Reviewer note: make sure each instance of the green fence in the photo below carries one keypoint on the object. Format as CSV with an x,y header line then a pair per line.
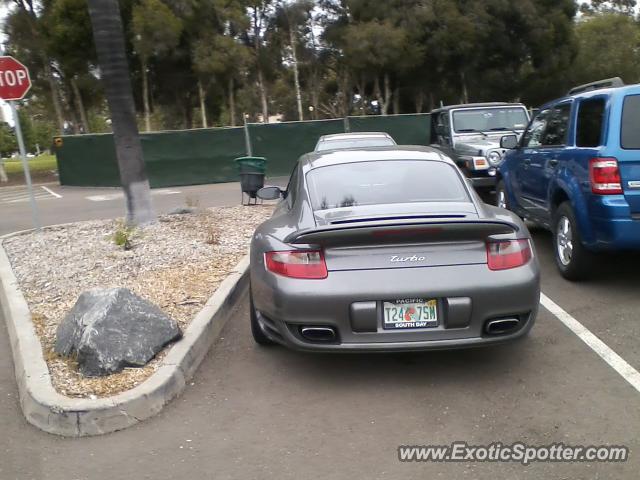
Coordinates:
x,y
190,157
405,129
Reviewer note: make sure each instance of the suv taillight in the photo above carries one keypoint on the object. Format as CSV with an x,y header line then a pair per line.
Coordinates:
x,y
307,264
604,176
505,254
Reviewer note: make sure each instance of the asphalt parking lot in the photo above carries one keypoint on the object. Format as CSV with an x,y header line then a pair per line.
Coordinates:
x,y
62,204
267,412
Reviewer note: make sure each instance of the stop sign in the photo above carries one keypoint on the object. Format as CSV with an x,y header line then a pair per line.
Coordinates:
x,y
14,79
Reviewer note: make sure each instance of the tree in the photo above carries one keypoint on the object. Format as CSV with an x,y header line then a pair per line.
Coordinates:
x,y
110,47
259,13
26,40
8,143
594,7
293,18
69,41
613,36
225,59
156,30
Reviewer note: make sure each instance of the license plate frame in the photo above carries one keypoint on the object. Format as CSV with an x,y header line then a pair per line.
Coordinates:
x,y
410,314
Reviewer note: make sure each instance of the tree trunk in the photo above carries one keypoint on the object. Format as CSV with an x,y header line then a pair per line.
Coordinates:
x,y
109,41
77,98
3,173
203,110
263,97
257,25
387,94
419,101
296,76
145,94
55,95
74,120
465,93
384,100
396,101
347,95
232,102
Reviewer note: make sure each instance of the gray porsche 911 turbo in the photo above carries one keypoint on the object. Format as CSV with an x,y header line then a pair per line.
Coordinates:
x,y
388,249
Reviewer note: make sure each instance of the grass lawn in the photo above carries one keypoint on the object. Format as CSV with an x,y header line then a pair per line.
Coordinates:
x,y
42,163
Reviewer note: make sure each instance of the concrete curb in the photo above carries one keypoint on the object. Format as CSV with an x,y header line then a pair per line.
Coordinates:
x,y
52,412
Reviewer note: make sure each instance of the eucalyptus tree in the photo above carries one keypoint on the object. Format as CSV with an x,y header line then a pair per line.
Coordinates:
x,y
156,31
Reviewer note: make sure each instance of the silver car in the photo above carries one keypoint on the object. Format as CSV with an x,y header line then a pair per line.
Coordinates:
x,y
352,140
388,249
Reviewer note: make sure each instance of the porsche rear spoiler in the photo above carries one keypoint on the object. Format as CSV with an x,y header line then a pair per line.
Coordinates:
x,y
401,232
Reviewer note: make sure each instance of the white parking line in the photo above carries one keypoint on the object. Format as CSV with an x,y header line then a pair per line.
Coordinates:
x,y
57,195
614,360
119,195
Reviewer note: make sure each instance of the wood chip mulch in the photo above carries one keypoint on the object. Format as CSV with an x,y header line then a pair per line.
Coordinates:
x,y
176,263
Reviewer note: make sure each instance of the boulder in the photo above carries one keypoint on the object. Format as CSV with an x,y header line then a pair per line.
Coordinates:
x,y
111,329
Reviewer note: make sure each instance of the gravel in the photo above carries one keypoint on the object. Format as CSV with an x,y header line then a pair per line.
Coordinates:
x,y
176,263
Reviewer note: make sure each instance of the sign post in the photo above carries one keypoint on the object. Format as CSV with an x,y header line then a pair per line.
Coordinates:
x,y
14,85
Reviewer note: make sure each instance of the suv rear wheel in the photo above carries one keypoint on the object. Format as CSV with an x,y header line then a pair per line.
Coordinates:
x,y
572,258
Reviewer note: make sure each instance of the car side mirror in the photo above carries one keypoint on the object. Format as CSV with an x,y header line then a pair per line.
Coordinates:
x,y
509,141
441,130
270,193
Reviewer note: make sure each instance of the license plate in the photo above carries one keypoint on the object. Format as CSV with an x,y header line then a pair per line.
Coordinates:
x,y
410,313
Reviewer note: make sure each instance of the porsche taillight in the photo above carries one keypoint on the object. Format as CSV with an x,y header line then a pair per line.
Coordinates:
x,y
308,264
505,254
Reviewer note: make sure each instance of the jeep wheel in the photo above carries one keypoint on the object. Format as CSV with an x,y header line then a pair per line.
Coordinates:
x,y
572,258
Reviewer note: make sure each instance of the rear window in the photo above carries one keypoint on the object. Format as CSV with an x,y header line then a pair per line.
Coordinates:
x,y
384,182
589,123
630,130
354,143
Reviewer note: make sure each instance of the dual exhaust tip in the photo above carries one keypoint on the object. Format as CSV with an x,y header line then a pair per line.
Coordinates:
x,y
501,326
323,334
319,334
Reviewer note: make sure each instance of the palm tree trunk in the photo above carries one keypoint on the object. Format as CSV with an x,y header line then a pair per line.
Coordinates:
x,y
109,40
296,75
145,95
77,98
203,110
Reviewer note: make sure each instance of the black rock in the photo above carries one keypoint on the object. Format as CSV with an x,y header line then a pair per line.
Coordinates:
x,y
111,329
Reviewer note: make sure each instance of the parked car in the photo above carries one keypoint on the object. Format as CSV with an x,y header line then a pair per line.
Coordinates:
x,y
387,249
470,134
576,171
354,140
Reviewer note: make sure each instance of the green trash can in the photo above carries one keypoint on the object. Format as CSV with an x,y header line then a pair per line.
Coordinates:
x,y
252,171
251,164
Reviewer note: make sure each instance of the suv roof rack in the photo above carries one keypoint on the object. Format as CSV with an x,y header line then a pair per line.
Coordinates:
x,y
606,83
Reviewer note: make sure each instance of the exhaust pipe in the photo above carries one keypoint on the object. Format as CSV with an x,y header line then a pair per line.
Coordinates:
x,y
318,334
501,326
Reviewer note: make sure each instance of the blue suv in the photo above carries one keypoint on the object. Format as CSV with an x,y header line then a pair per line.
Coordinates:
x,y
576,171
